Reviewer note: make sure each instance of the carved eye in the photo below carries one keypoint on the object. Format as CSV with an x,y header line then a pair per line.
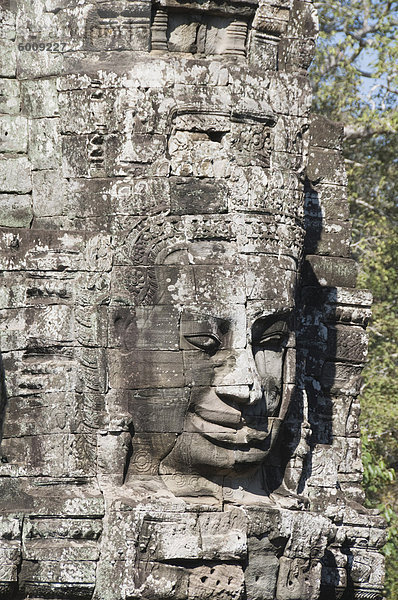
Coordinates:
x,y
271,340
270,335
208,342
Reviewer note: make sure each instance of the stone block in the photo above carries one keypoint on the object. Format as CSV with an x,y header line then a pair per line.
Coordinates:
x,y
48,197
298,578
8,572
261,573
349,297
88,110
330,271
15,210
263,52
10,553
367,570
192,486
137,196
40,250
309,535
328,238
113,450
278,281
327,201
10,98
145,327
13,134
351,457
175,538
190,196
326,133
37,327
341,378
37,455
339,414
158,410
355,315
148,450
223,536
296,54
10,527
137,148
324,467
8,20
340,461
39,98
158,581
58,528
44,144
61,550
8,62
80,200
290,94
214,282
36,416
75,158
123,27
27,374
140,369
40,589
36,287
63,572
218,581
347,343
327,166
15,175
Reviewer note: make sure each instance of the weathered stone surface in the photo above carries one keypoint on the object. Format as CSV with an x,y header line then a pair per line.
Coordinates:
x,y
13,134
15,210
181,336
15,174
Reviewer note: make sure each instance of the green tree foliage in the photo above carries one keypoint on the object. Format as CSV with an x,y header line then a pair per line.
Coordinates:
x,y
355,79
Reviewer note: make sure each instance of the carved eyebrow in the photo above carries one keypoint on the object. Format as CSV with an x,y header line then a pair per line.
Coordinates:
x,y
278,329
193,323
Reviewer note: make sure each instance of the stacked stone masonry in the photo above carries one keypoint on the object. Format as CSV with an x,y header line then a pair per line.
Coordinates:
x,y
182,338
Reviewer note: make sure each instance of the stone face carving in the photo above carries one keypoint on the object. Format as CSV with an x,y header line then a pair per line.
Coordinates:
x,y
182,339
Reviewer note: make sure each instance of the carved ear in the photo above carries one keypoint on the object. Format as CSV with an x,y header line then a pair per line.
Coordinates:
x,y
125,327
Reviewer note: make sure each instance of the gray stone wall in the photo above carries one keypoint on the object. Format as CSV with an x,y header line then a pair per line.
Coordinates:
x,y
182,339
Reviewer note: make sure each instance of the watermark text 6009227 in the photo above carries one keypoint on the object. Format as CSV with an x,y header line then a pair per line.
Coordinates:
x,y
42,46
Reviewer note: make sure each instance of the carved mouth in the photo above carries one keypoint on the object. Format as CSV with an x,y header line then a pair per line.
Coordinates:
x,y
240,438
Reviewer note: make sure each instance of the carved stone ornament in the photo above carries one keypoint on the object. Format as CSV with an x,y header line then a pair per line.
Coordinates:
x,y
182,338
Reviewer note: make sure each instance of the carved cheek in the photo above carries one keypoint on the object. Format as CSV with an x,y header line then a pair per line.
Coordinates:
x,y
269,363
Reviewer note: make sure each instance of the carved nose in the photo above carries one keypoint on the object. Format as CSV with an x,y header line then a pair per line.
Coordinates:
x,y
241,394
240,381
234,393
